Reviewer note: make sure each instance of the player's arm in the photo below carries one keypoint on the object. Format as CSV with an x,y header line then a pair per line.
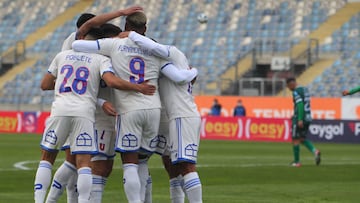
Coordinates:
x,y
177,75
299,106
87,46
147,43
118,83
103,18
67,42
48,82
352,91
103,46
300,110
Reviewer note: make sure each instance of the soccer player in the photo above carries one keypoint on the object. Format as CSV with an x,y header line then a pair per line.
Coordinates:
x,y
138,122
102,163
301,121
72,37
77,77
351,91
66,174
183,127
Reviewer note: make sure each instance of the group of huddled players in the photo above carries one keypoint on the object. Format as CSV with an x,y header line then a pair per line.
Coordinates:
x,y
118,92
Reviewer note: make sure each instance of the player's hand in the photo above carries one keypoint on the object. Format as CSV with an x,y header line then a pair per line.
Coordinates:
x,y
345,92
109,109
300,124
124,34
131,10
193,80
147,89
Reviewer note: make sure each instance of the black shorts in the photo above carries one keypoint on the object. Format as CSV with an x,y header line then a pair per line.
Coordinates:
x,y
298,133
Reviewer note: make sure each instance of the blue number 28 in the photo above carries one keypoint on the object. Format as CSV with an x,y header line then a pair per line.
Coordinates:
x,y
137,66
79,83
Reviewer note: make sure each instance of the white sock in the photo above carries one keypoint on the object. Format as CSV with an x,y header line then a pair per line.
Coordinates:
x,y
177,194
60,180
143,171
148,192
192,187
131,183
98,184
71,189
42,181
84,184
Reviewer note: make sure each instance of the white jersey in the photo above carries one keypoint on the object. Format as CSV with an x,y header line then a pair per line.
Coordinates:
x,y
177,98
101,118
68,41
136,65
77,82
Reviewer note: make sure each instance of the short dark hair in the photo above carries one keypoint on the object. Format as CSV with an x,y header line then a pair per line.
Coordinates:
x,y
289,80
96,33
110,30
83,18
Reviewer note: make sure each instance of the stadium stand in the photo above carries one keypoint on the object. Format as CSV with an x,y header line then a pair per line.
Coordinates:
x,y
343,73
215,47
17,24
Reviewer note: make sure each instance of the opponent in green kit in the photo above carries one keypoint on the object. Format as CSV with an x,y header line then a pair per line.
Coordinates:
x,y
301,121
352,91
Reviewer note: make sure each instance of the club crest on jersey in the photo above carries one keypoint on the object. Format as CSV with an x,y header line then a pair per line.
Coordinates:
x,y
51,137
161,142
191,150
129,140
83,139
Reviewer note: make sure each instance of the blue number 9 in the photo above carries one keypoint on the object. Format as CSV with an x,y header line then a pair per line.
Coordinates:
x,y
137,66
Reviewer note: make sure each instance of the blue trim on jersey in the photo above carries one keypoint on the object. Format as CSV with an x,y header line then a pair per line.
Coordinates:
x,y
85,152
65,147
122,151
164,66
48,149
98,44
178,130
117,130
180,160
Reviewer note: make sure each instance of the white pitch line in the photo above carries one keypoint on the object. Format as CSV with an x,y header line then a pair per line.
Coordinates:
x,y
22,165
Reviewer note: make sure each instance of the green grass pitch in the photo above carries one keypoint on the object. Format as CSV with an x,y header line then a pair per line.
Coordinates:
x,y
230,172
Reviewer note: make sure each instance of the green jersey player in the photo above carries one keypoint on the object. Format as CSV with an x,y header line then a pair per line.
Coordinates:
x,y
352,91
301,121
